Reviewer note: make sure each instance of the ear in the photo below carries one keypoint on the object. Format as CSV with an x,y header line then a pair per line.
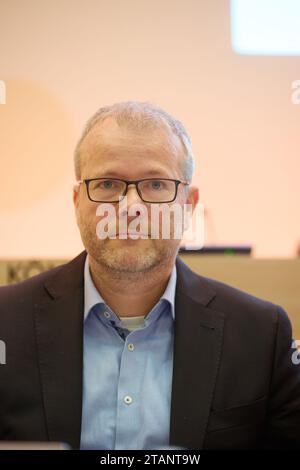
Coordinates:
x,y
76,195
193,196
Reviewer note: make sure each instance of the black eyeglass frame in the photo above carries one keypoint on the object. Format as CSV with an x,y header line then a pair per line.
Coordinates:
x,y
136,183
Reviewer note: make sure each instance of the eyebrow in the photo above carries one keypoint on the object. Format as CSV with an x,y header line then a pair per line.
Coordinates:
x,y
116,174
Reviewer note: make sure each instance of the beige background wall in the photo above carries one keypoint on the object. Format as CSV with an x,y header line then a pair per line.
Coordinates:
x,y
63,59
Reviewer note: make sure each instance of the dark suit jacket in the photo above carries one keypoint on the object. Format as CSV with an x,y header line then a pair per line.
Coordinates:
x,y
234,383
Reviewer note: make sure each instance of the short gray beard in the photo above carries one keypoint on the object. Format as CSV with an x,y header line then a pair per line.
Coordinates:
x,y
126,261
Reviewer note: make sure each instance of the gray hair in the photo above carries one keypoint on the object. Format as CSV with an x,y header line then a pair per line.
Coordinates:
x,y
139,115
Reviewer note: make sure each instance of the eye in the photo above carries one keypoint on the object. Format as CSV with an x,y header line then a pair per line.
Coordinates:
x,y
107,184
156,184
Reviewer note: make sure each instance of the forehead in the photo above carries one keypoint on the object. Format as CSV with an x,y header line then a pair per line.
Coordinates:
x,y
109,146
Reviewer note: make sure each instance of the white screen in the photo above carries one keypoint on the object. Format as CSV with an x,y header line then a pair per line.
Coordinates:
x,y
265,27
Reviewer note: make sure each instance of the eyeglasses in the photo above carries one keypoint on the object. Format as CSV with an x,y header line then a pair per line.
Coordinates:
x,y
152,190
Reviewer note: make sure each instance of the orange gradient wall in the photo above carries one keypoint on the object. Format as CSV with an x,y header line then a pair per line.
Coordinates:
x,y
61,60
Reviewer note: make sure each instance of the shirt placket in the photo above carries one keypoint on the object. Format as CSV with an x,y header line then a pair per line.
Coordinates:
x,y
129,392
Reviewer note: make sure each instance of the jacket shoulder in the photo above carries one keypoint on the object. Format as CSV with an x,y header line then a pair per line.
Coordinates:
x,y
235,303
245,310
32,286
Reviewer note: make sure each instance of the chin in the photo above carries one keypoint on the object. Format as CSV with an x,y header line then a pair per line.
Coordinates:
x,y
130,260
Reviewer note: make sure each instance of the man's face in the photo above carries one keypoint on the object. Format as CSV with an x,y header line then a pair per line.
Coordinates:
x,y
118,152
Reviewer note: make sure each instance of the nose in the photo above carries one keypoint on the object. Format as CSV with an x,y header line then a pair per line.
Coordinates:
x,y
132,198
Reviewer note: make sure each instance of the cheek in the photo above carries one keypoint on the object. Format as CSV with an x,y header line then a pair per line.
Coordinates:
x,y
86,213
181,197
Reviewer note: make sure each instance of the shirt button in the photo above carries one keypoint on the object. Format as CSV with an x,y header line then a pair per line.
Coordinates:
x,y
130,347
127,400
107,314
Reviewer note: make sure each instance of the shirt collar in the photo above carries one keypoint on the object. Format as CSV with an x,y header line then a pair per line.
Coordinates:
x,y
93,297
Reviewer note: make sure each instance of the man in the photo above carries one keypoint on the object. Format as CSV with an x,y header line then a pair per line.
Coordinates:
x,y
125,347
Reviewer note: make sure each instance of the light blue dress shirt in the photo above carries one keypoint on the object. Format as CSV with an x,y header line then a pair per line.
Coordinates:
x,y
127,375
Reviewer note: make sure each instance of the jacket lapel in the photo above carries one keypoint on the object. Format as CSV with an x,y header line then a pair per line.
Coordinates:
x,y
197,352
59,332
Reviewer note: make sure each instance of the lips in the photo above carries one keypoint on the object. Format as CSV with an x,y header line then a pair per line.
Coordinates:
x,y
135,234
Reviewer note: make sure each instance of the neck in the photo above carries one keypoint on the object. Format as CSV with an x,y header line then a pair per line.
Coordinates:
x,y
134,294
